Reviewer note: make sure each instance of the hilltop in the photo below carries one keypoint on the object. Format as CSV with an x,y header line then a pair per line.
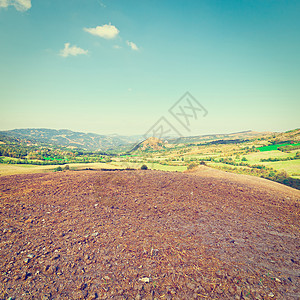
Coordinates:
x,y
152,143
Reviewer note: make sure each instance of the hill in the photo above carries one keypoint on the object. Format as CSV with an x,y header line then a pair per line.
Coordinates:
x,y
66,138
152,143
236,136
291,136
148,234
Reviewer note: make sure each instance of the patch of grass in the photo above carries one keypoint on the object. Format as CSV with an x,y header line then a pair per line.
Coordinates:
x,y
275,147
6,170
290,166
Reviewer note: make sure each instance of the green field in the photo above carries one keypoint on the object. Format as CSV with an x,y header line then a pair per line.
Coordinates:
x,y
275,147
292,167
255,157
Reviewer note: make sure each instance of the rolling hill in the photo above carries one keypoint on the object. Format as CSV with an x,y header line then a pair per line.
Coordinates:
x,y
66,138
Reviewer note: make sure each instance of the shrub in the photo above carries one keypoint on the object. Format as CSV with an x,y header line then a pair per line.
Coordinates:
x,y
67,167
203,163
58,169
144,167
192,166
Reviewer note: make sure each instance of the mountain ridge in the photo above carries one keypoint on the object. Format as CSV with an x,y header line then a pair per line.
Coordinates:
x,y
97,142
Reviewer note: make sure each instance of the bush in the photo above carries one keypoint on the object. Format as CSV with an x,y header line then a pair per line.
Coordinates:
x,y
203,163
58,169
67,167
144,167
192,166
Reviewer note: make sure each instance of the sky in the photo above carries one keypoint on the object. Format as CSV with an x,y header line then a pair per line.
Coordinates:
x,y
118,66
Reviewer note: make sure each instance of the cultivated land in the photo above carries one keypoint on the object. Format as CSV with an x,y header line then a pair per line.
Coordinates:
x,y
126,234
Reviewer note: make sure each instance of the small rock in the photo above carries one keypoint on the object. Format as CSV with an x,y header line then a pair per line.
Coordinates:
x,y
93,296
30,255
271,295
145,279
25,275
81,286
46,267
106,277
238,291
26,260
219,274
191,286
95,234
154,252
277,279
52,269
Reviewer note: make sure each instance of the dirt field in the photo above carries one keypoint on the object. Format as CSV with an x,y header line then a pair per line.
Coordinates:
x,y
148,235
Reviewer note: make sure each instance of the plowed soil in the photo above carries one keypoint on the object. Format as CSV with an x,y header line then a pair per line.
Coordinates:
x,y
148,235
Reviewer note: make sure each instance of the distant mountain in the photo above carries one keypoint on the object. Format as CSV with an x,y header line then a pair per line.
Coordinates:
x,y
66,138
243,135
118,144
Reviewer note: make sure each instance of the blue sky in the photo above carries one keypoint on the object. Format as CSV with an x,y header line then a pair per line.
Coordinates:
x,y
116,66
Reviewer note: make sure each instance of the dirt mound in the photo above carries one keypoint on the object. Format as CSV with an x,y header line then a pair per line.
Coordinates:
x,y
254,182
146,235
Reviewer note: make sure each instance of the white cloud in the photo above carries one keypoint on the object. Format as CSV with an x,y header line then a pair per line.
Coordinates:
x,y
21,5
132,45
73,50
102,4
106,31
117,47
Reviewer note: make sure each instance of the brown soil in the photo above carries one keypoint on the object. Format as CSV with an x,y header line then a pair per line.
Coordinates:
x,y
105,234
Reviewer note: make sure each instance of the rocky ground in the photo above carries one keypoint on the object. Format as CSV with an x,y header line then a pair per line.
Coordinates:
x,y
148,235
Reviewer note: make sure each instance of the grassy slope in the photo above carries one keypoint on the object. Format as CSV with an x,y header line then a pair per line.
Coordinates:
x,y
29,169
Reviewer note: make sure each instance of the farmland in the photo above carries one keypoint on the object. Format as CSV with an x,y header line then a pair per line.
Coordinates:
x,y
144,234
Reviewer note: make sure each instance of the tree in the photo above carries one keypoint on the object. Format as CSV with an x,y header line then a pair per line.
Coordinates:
x,y
144,167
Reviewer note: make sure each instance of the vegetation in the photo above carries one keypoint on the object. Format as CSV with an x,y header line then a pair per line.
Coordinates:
x,y
246,153
192,166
